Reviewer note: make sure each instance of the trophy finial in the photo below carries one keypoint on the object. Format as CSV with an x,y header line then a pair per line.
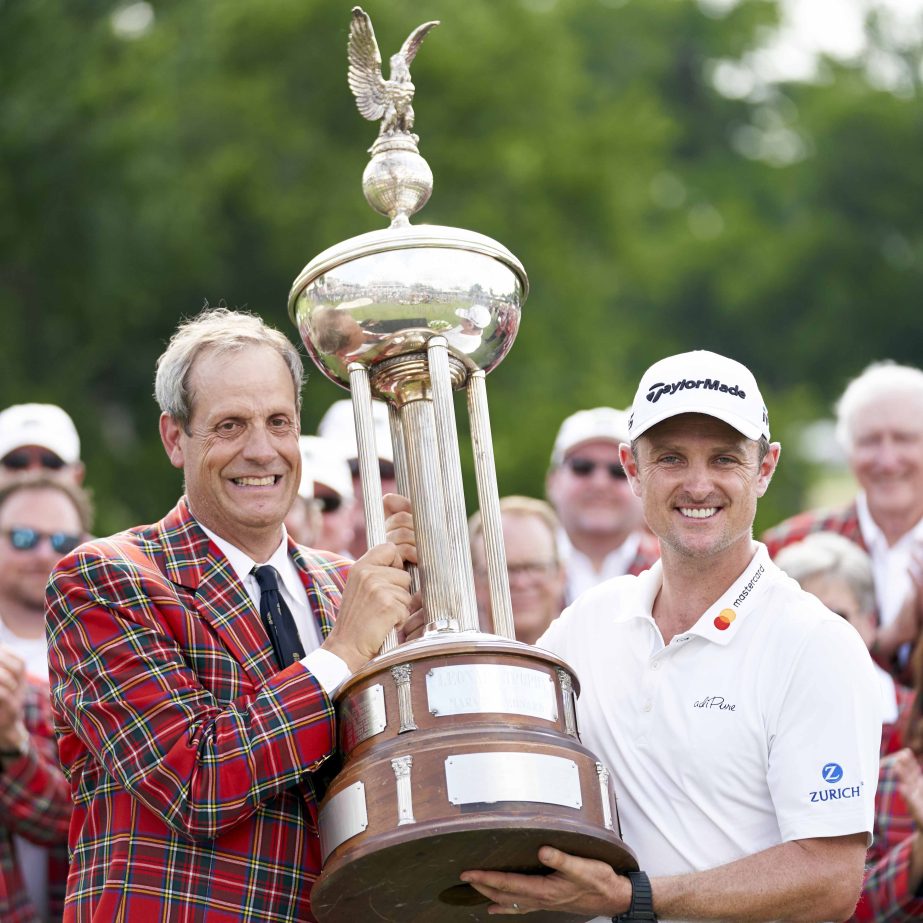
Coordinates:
x,y
397,181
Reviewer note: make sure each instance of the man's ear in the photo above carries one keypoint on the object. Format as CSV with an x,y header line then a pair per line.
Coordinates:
x,y
627,458
768,468
171,435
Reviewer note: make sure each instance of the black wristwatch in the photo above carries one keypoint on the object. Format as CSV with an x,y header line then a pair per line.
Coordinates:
x,y
642,900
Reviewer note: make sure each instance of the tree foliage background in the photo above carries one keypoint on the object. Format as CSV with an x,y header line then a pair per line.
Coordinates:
x,y
208,156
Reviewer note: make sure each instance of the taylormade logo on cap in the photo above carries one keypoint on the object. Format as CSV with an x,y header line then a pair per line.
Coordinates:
x,y
658,390
699,382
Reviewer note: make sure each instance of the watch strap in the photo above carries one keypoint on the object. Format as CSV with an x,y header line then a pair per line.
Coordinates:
x,y
642,900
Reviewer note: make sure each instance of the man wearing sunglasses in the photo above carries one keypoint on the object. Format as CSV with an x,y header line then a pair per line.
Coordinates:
x,y
41,519
740,719
39,439
603,533
194,661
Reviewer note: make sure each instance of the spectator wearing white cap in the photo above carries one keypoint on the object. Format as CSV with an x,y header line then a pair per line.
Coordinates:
x,y
338,425
739,718
327,486
603,533
39,438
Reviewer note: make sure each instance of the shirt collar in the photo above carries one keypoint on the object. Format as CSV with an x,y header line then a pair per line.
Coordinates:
x,y
872,535
720,623
243,564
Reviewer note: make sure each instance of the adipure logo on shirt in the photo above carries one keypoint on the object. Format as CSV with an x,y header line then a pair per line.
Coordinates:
x,y
832,773
658,390
714,702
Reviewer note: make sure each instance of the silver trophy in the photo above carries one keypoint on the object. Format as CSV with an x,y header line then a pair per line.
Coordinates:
x,y
460,749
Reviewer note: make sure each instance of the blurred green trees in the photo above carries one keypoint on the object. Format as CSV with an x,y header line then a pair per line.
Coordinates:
x,y
210,155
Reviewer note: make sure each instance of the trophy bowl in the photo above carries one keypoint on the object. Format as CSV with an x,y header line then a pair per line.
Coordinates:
x,y
385,293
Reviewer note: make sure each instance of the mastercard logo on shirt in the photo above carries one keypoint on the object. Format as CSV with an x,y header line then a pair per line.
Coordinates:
x,y
724,618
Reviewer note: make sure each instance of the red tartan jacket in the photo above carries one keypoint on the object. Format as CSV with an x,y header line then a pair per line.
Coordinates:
x,y
885,896
844,522
189,755
34,804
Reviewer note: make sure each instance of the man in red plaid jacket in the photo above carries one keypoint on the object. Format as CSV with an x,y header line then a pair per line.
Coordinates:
x,y
193,753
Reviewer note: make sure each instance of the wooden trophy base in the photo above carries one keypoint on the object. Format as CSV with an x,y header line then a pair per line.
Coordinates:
x,y
457,755
417,881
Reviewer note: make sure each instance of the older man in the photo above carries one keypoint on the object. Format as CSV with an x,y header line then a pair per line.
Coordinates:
x,y
880,425
535,571
738,716
39,438
603,533
193,661
41,518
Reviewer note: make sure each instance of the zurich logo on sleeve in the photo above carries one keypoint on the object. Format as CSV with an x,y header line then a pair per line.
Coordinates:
x,y
832,773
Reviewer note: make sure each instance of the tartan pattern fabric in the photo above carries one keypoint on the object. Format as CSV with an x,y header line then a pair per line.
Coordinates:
x,y
34,804
885,897
189,754
844,522
648,554
892,735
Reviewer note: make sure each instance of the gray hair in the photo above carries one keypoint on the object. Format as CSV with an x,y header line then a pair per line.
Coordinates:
x,y
516,505
827,554
880,379
218,330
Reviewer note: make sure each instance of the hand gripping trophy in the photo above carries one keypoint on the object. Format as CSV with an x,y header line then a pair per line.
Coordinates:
x,y
460,749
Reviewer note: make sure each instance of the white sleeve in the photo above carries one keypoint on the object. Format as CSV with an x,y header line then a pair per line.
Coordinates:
x,y
824,737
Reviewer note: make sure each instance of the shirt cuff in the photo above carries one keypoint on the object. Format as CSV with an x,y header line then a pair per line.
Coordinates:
x,y
328,669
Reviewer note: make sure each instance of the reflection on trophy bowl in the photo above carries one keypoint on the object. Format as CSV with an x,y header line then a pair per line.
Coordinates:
x,y
458,754
384,294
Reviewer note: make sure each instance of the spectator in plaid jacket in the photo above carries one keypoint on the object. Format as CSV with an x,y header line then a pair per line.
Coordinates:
x,y
192,754
893,889
41,517
880,425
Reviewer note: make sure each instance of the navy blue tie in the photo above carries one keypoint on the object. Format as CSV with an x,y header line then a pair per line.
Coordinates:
x,y
277,618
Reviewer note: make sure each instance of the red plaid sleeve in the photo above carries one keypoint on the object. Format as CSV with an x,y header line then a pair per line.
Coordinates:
x,y
886,897
843,522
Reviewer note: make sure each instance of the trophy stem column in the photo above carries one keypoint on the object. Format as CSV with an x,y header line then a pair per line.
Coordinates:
x,y
461,572
439,600
402,477
489,502
368,468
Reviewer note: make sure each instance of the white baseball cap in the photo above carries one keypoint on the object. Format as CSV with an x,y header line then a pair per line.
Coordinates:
x,y
699,382
322,462
599,424
338,425
45,425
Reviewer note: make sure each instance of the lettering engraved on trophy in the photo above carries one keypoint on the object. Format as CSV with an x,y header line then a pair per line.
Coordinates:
x,y
567,695
603,774
401,674
344,816
474,688
362,716
401,766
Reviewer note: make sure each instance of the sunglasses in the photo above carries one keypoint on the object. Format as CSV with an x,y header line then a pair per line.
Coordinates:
x,y
584,467
23,539
328,503
21,459
385,469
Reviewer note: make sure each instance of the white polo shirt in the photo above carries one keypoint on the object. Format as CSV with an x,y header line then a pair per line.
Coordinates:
x,y
759,725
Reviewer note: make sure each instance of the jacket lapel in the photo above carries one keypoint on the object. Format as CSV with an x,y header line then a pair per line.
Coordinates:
x,y
190,561
323,593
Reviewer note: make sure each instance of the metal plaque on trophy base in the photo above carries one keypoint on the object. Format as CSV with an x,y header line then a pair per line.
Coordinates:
x,y
460,749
